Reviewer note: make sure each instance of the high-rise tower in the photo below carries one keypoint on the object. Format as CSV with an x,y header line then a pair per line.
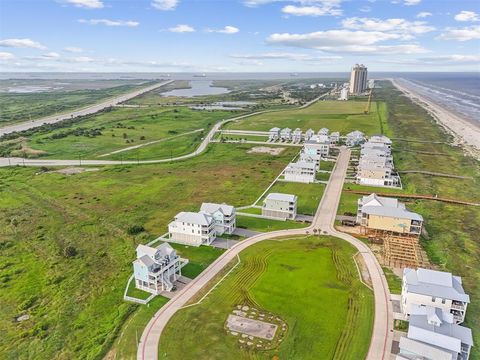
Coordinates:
x,y
358,79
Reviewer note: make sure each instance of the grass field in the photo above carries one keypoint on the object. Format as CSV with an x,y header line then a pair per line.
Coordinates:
x,y
264,225
124,127
452,243
18,107
342,116
74,312
309,195
331,317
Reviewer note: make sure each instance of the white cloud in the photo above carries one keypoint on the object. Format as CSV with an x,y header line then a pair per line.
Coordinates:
x,y
452,59
106,22
181,28
226,30
398,26
51,55
467,16
165,5
461,34
22,43
88,4
365,9
411,2
73,49
310,10
284,56
6,56
346,41
424,14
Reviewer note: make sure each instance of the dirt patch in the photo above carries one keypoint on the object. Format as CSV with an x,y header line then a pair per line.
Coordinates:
x,y
73,170
266,150
28,152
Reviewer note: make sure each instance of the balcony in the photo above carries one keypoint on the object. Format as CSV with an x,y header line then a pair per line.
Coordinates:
x,y
458,306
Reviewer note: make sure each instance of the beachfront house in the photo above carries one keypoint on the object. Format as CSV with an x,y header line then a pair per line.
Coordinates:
x,y
192,228
377,214
274,134
323,131
311,159
442,290
432,336
301,171
334,137
377,176
318,146
355,138
297,135
157,268
280,206
286,134
380,140
381,149
224,217
309,133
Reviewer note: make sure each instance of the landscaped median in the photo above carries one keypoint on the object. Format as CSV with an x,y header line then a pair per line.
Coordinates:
x,y
331,316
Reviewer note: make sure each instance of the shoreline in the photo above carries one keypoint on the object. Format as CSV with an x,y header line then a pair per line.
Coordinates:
x,y
466,134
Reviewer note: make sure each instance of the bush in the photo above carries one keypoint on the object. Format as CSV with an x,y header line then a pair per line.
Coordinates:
x,y
135,229
70,251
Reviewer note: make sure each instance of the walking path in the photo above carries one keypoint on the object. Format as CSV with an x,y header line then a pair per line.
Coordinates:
x,y
80,112
324,221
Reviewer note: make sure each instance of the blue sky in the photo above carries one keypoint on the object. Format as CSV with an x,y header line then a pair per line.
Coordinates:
x,y
239,35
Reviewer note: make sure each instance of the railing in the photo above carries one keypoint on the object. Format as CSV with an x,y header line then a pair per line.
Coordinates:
x,y
458,307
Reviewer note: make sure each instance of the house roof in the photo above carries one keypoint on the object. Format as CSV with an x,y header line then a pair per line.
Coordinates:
x,y
146,250
148,255
318,139
380,139
286,130
446,335
146,260
435,283
275,129
212,207
375,200
391,212
198,218
303,165
281,197
356,133
425,350
335,133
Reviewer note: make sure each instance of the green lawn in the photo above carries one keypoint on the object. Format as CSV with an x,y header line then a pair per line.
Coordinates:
x,y
120,128
394,282
331,317
137,293
342,116
309,195
92,211
264,225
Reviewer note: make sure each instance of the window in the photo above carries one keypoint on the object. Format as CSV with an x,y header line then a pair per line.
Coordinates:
x,y
433,299
443,301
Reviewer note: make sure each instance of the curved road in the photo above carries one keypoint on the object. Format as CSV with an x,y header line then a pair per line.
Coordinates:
x,y
324,218
81,112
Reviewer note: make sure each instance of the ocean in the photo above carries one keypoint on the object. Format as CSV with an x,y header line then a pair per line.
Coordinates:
x,y
458,92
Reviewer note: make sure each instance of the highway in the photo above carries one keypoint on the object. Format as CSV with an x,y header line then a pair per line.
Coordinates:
x,y
324,218
80,112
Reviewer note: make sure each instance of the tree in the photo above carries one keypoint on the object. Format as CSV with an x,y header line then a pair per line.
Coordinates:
x,y
125,135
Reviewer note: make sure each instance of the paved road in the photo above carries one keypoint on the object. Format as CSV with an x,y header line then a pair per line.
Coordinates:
x,y
323,220
81,112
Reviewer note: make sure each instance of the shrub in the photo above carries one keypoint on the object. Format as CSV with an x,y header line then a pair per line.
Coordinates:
x,y
135,229
70,251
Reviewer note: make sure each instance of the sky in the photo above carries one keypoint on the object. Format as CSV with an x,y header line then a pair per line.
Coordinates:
x,y
239,35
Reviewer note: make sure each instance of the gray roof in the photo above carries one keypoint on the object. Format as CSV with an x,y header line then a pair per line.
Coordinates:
x,y
423,349
356,133
303,164
380,139
335,133
194,218
146,260
446,336
212,207
281,197
391,212
374,199
435,283
275,129
318,139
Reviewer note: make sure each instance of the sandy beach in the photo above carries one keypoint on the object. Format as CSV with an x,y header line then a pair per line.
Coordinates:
x,y
465,132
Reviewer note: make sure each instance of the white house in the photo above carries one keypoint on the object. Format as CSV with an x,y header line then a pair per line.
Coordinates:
x,y
224,217
381,149
432,337
442,290
323,131
318,146
191,228
373,159
315,159
343,94
355,138
280,206
377,176
381,140
274,134
286,134
377,213
156,269
297,135
309,133
334,137
301,171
